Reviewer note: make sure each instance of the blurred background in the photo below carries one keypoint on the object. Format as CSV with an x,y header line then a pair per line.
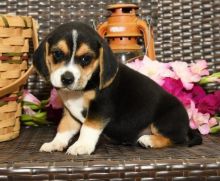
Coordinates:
x,y
184,30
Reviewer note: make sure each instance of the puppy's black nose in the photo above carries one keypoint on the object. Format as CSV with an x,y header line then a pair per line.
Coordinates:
x,y
67,78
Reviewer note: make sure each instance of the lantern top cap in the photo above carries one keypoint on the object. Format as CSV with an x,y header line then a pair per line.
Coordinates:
x,y
115,6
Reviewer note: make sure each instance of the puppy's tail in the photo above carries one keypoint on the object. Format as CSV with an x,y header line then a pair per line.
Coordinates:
x,y
194,138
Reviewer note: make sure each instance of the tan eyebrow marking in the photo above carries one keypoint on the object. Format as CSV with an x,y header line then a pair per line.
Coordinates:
x,y
61,45
84,49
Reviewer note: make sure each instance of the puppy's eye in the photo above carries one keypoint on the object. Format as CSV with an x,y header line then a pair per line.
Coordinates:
x,y
85,60
58,55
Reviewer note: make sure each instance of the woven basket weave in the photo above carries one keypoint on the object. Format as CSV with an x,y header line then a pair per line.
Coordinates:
x,y
15,35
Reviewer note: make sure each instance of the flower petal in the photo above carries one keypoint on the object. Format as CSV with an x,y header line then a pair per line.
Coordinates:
x,y
204,129
28,97
55,100
213,122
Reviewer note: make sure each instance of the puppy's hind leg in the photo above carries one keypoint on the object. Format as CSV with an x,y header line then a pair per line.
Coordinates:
x,y
155,140
67,128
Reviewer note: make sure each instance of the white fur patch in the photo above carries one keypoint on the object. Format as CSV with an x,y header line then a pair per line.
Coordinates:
x,y
145,141
74,102
59,142
86,143
74,36
55,76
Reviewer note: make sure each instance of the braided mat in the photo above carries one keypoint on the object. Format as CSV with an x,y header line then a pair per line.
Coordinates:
x,y
20,159
26,147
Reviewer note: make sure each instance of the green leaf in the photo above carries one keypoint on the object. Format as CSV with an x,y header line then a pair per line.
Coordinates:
x,y
25,117
40,115
218,118
13,54
30,124
32,105
209,78
215,129
2,103
44,103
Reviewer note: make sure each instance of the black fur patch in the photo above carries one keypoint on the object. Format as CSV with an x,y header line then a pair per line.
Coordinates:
x,y
39,60
84,112
110,65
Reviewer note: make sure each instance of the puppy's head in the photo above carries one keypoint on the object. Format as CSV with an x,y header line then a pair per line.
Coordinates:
x,y
75,57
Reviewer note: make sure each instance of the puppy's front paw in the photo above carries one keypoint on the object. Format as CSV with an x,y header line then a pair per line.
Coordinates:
x,y
52,146
81,148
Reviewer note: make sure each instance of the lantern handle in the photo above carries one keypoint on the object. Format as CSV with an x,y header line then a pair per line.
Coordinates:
x,y
148,38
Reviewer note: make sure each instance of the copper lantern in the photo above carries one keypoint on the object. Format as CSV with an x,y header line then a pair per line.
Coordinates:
x,y
123,30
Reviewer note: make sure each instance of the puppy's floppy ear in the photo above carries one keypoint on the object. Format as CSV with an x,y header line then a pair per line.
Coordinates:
x,y
108,66
39,60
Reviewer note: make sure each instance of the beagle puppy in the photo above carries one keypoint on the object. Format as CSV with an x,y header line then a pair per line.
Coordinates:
x,y
101,95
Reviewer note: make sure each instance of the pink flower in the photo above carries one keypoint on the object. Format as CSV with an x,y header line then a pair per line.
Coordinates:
x,y
208,104
198,120
217,95
213,122
136,64
172,86
175,87
55,100
183,73
199,68
191,109
184,98
197,93
204,129
157,71
28,97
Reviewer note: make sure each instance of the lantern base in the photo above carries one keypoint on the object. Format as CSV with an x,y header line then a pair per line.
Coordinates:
x,y
124,56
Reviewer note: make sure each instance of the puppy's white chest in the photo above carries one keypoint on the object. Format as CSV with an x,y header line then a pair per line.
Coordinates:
x,y
74,103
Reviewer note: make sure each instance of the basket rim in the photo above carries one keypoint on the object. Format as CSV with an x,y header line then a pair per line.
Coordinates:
x,y
11,20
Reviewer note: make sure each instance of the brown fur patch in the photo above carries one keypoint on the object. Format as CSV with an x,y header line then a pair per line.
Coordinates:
x,y
89,69
83,49
88,96
107,83
101,64
68,123
158,140
97,123
62,45
154,130
47,58
53,66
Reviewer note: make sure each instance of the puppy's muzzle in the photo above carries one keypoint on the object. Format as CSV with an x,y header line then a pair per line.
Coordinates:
x,y
67,78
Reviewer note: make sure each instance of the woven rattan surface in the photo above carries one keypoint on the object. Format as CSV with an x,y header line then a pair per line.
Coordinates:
x,y
184,29
20,159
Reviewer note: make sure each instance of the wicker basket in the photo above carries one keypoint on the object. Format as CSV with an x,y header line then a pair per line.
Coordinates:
x,y
16,33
